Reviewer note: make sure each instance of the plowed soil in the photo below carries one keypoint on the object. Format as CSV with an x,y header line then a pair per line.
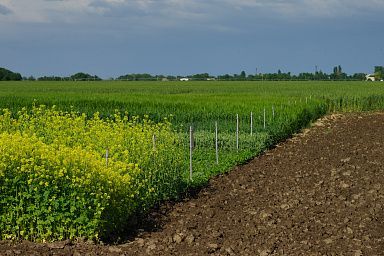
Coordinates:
x,y
319,193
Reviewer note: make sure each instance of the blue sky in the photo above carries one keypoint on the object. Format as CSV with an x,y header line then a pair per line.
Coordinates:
x,y
115,37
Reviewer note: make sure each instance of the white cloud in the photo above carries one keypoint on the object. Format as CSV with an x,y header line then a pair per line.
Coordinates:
x,y
4,10
176,12
314,8
45,11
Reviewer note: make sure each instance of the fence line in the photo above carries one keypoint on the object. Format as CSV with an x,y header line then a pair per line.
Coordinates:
x,y
207,146
209,149
200,143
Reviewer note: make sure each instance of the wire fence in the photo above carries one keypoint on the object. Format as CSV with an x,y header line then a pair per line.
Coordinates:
x,y
208,150
211,151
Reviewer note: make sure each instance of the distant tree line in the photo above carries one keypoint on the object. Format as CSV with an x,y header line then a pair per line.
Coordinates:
x,y
337,74
149,77
137,77
76,77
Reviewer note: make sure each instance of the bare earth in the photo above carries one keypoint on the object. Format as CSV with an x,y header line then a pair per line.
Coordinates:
x,y
319,193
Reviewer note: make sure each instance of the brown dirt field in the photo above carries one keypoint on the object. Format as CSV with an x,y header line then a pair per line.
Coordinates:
x,y
319,193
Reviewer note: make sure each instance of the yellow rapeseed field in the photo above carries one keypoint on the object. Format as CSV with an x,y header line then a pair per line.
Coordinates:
x,y
66,175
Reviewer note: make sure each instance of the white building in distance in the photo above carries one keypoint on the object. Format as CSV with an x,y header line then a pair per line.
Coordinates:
x,y
370,77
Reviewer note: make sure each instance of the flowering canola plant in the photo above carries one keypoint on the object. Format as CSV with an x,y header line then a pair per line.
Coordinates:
x,y
56,181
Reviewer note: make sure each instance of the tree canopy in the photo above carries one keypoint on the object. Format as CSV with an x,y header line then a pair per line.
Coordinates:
x,y
137,77
85,77
379,72
8,75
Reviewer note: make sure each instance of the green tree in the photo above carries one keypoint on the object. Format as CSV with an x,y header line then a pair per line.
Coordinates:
x,y
84,77
203,76
138,77
358,76
338,74
379,72
226,77
8,75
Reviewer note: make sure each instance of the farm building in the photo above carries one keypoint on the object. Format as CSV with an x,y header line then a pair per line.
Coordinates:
x,y
370,77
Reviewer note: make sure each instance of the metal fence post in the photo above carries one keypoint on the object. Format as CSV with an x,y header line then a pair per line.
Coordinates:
x,y
237,131
190,152
216,144
264,120
251,123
